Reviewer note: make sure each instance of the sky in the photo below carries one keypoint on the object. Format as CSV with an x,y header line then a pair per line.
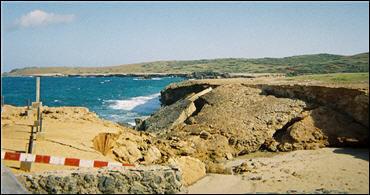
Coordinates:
x,y
96,34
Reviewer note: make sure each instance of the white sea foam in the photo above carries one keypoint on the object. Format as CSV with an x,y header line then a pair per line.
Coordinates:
x,y
141,78
132,103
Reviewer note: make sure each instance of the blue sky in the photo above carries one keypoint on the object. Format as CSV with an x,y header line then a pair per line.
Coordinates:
x,y
95,34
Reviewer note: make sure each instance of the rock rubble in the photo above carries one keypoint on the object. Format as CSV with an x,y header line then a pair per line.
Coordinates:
x,y
138,180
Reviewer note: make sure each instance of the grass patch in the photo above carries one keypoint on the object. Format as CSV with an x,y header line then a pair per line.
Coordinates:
x,y
335,77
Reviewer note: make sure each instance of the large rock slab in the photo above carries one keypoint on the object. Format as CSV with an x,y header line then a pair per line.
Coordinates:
x,y
168,117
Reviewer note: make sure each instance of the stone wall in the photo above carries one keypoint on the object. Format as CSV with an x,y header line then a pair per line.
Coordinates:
x,y
126,180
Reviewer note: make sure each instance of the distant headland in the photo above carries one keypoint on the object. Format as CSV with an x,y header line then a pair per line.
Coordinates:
x,y
215,68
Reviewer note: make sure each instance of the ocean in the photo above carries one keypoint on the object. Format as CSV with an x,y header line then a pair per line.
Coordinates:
x,y
119,99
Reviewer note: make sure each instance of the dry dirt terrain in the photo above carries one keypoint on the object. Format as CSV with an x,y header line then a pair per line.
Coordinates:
x,y
326,170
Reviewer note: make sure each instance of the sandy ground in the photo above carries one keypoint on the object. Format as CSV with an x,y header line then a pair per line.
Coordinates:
x,y
331,170
72,138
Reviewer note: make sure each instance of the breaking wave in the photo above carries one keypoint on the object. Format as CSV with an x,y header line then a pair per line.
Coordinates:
x,y
140,103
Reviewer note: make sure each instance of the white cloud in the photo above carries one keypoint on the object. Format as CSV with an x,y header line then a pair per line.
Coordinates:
x,y
39,18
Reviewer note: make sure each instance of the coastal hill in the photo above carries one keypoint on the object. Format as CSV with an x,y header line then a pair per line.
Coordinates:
x,y
294,65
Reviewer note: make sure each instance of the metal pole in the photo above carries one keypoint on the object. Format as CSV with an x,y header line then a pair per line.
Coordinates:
x,y
30,144
28,104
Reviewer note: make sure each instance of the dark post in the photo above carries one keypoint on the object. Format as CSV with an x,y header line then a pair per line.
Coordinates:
x,y
2,101
40,122
38,113
28,104
38,117
30,144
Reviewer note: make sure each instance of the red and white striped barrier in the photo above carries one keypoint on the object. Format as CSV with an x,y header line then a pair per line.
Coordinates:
x,y
59,160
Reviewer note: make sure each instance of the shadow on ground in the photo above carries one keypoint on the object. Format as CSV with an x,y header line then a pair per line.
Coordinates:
x,y
361,153
18,151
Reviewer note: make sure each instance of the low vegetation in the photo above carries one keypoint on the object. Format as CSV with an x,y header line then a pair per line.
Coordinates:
x,y
336,77
291,66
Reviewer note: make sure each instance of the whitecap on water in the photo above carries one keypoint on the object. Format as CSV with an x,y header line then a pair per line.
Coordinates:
x,y
140,103
128,117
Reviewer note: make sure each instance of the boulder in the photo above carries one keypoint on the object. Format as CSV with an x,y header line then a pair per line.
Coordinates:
x,y
127,151
152,155
218,168
192,169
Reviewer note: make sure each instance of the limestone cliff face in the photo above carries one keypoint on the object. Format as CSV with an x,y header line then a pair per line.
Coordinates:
x,y
352,102
241,117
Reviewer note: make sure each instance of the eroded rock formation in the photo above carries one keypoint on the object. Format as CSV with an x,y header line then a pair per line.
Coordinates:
x,y
216,121
237,118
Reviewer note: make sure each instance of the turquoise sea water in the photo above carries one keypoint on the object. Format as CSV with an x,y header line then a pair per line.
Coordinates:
x,y
119,99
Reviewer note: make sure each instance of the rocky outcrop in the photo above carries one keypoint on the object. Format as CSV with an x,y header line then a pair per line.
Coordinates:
x,y
208,75
319,127
171,95
351,102
235,120
123,180
241,117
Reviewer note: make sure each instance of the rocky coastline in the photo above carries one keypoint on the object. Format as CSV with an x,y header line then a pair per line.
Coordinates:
x,y
204,123
193,75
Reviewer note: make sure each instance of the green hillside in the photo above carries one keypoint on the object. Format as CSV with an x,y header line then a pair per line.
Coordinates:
x,y
294,65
